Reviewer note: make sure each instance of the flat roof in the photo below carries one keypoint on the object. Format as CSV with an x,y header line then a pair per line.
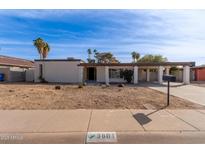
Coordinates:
x,y
47,60
15,62
141,64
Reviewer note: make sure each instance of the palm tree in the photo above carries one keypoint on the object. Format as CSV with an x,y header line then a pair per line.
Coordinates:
x,y
89,54
46,49
39,44
43,49
95,51
135,56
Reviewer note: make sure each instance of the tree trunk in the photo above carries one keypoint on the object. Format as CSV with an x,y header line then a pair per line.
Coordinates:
x,y
41,56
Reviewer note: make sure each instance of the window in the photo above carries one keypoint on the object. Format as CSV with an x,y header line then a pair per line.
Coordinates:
x,y
116,73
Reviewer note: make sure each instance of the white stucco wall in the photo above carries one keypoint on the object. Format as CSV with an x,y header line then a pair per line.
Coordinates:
x,y
101,74
58,71
30,75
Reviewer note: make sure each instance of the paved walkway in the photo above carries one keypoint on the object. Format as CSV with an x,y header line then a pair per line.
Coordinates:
x,y
131,126
191,93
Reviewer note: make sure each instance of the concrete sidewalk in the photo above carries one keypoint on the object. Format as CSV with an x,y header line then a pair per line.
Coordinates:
x,y
191,93
132,126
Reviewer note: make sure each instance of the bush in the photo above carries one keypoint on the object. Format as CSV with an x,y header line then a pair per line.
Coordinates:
x,y
121,85
57,87
128,74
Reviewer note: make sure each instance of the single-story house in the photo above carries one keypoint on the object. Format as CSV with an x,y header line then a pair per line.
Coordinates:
x,y
14,69
199,73
76,71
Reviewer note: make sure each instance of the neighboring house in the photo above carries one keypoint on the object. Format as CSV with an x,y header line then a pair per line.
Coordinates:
x,y
199,73
76,71
14,69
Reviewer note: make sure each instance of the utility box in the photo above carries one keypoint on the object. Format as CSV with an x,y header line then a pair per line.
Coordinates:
x,y
1,77
170,78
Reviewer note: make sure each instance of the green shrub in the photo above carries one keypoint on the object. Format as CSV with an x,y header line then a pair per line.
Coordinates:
x,y
128,75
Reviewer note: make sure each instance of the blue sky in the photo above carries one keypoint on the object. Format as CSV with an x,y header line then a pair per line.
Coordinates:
x,y
177,34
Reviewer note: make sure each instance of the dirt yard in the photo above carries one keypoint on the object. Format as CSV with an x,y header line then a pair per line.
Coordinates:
x,y
39,96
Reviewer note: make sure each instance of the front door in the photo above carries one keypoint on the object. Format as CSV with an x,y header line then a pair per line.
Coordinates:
x,y
91,73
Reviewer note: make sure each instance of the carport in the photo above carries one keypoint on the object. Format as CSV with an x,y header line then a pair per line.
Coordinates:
x,y
142,71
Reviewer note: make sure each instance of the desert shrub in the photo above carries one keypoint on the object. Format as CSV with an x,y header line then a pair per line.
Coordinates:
x,y
121,85
128,74
57,87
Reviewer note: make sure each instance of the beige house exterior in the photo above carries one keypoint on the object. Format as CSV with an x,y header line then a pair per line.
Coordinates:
x,y
76,71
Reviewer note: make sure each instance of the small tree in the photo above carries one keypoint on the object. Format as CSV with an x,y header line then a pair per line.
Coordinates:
x,y
105,57
128,74
153,58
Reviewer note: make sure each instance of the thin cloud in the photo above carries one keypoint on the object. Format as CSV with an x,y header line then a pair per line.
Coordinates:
x,y
177,34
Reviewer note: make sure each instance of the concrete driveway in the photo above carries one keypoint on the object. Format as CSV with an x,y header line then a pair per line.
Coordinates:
x,y
198,83
191,93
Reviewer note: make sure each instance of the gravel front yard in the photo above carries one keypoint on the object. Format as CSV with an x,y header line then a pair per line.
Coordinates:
x,y
42,96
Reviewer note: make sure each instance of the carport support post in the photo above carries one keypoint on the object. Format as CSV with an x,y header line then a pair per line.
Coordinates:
x,y
186,75
148,75
160,74
135,74
167,71
106,75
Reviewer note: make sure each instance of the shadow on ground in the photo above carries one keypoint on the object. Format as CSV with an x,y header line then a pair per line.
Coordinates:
x,y
144,118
